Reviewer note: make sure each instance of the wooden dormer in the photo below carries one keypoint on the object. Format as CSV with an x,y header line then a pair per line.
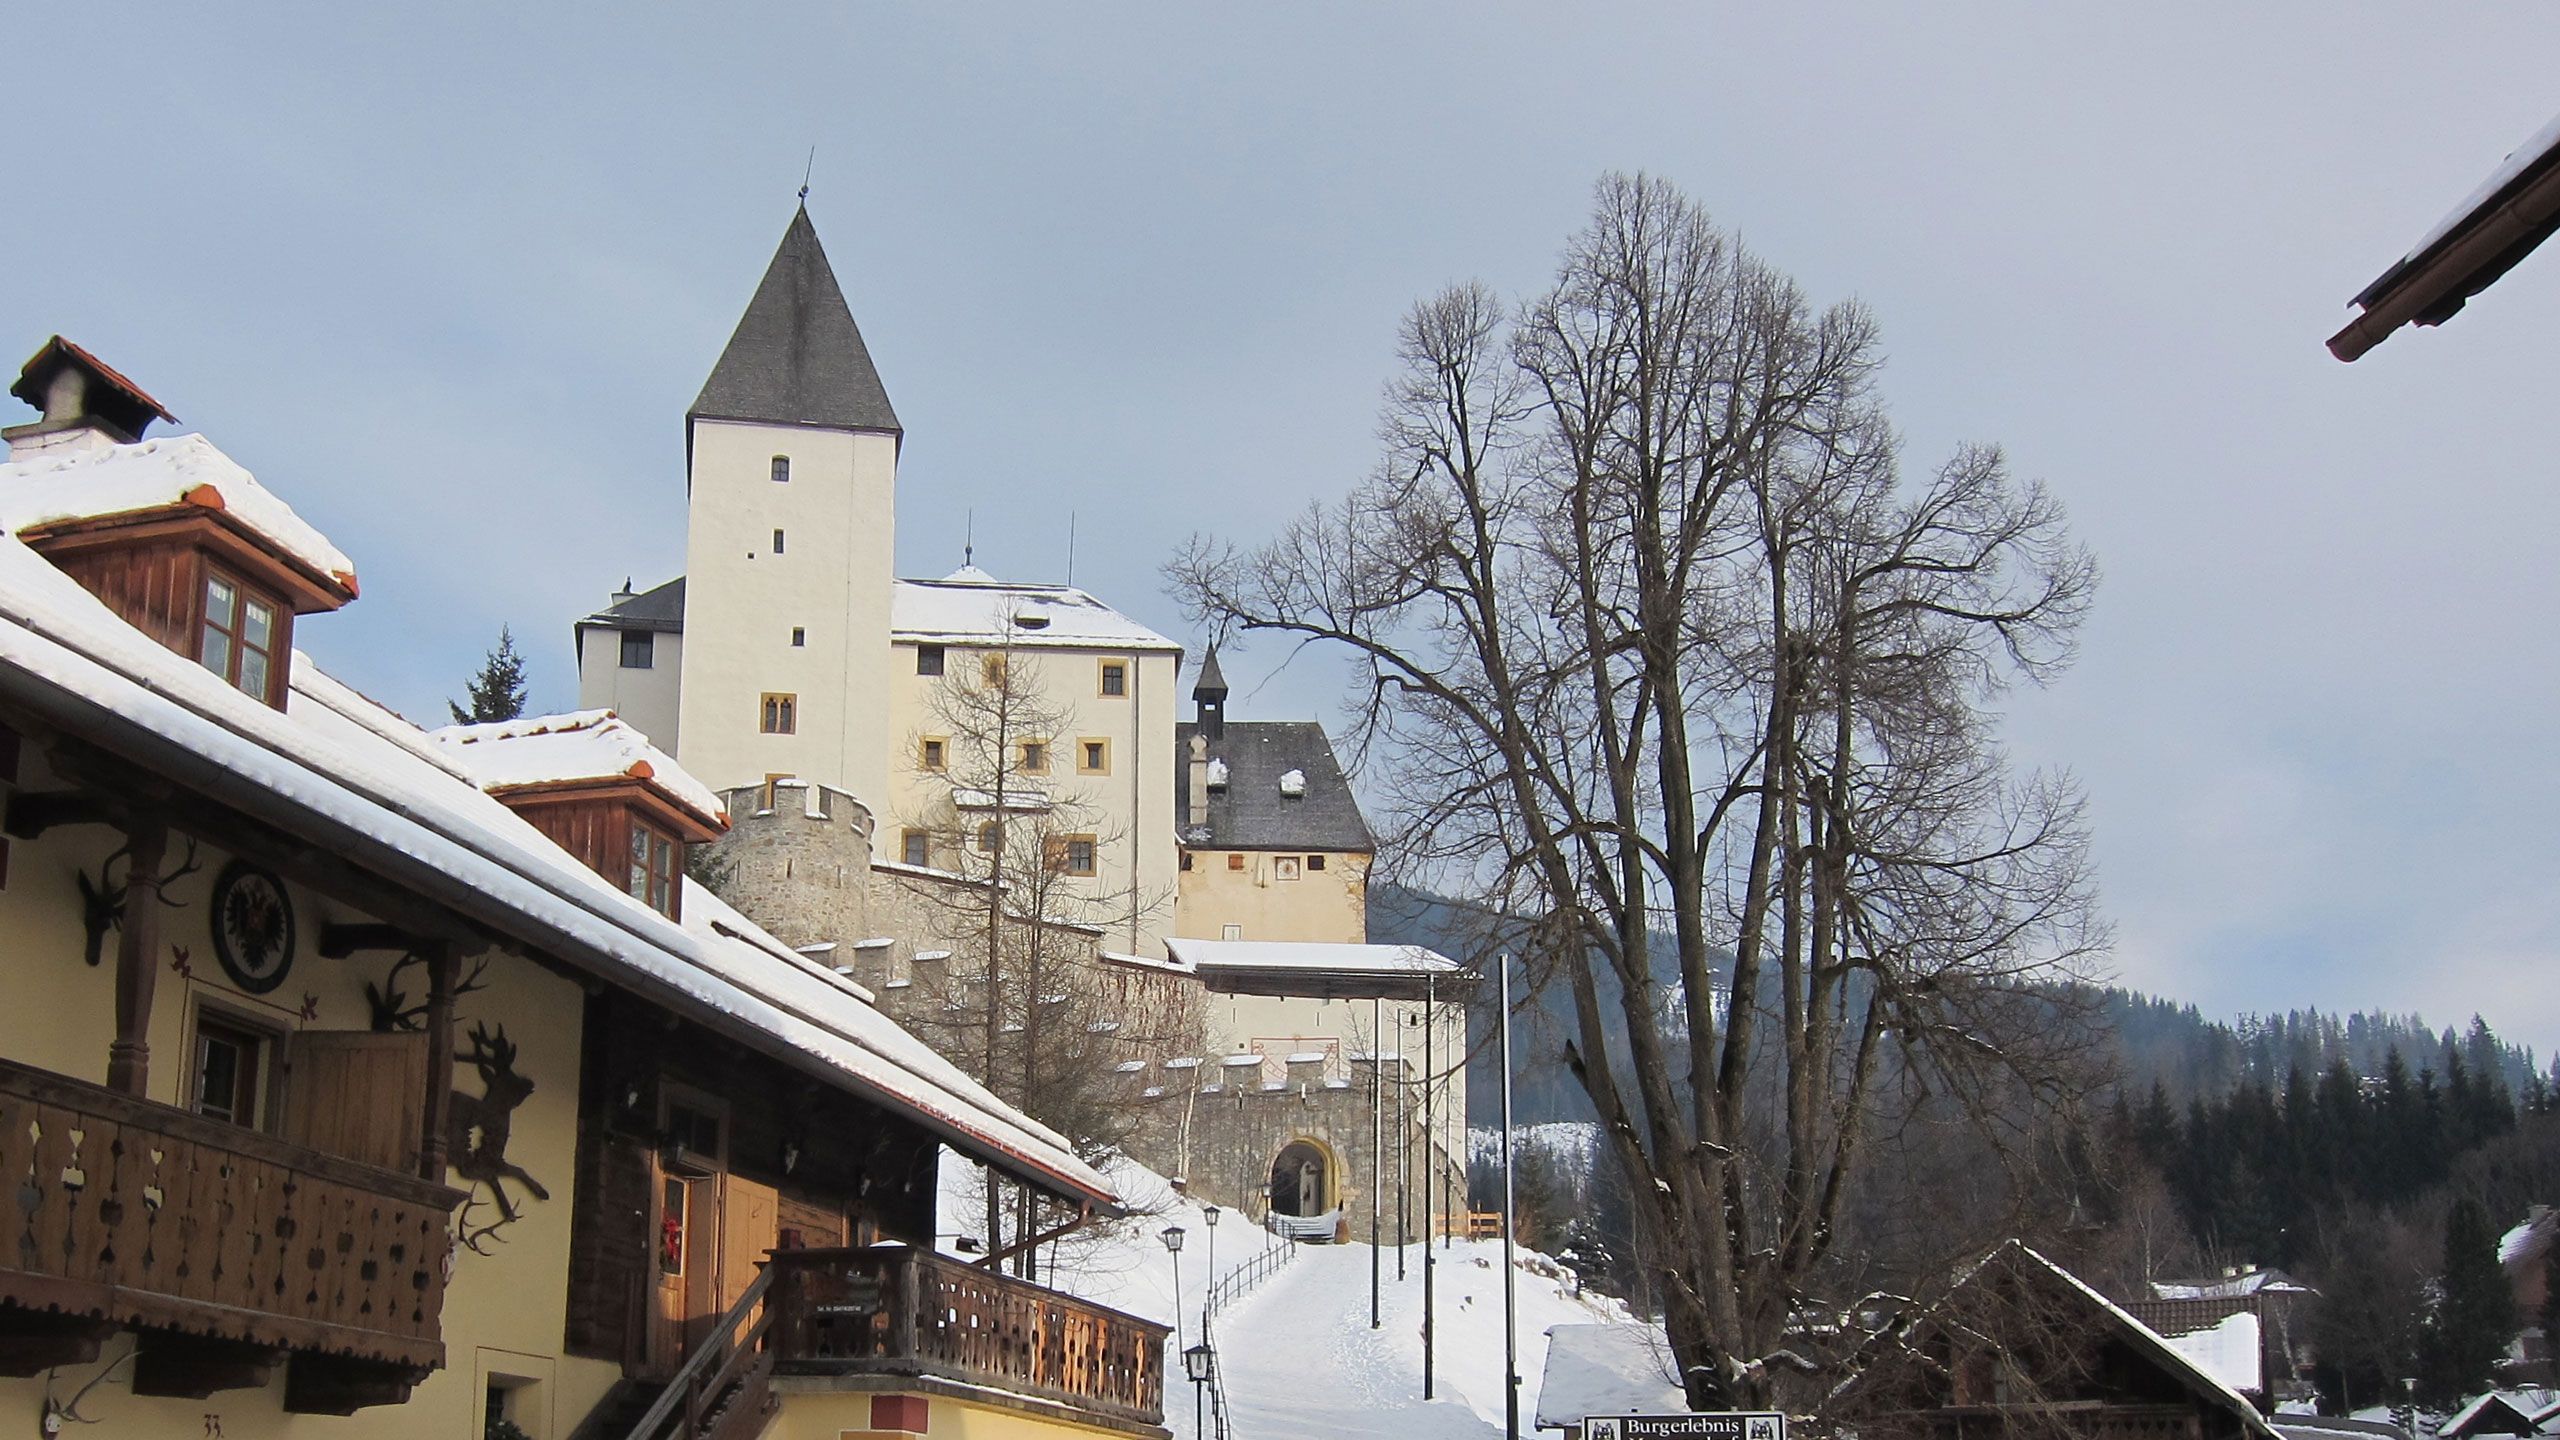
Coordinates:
x,y
600,791
177,539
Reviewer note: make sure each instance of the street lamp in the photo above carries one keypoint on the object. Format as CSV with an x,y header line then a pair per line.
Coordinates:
x,y
1200,1363
1209,1213
1171,1235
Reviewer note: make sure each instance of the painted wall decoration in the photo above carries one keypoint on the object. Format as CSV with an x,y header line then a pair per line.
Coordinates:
x,y
477,1137
252,927
393,1009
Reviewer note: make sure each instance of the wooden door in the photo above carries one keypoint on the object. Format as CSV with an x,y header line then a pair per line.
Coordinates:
x,y
682,1268
750,1226
357,1093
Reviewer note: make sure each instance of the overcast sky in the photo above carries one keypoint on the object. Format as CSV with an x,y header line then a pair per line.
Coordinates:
x,y
447,276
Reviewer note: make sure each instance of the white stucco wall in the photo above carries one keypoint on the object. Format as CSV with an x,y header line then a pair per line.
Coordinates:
x,y
646,699
742,602
1129,809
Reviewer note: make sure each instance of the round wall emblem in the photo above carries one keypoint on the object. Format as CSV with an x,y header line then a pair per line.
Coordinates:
x,y
252,927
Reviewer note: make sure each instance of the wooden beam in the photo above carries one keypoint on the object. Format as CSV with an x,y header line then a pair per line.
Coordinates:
x,y
441,965
194,1366
137,963
33,813
34,1341
342,1385
339,940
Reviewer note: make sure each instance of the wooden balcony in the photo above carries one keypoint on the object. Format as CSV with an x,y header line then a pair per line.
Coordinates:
x,y
228,1249
890,1310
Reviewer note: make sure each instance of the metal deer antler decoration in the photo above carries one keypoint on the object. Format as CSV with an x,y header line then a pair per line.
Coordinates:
x,y
477,1135
102,900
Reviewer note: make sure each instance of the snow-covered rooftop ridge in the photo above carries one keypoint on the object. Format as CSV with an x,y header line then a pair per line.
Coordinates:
x,y
339,767
2228,1351
1606,1370
1336,957
564,749
58,488
971,607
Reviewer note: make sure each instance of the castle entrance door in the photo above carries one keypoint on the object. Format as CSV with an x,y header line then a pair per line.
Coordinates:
x,y
1298,1180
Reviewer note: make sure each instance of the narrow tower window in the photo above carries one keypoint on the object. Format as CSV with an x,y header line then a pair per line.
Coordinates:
x,y
777,542
799,636
781,469
781,714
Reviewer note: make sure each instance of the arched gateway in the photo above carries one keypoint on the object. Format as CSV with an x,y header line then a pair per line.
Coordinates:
x,y
1301,1180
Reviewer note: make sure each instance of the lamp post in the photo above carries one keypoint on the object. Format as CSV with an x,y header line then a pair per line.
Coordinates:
x,y
1171,1235
1209,1289
1200,1364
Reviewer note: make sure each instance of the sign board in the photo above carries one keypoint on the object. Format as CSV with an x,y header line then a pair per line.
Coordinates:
x,y
1710,1425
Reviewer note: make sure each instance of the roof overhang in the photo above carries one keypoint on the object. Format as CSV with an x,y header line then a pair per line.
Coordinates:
x,y
216,530
1320,972
651,803
2475,246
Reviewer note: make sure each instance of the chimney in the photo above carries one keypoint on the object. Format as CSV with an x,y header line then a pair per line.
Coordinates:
x,y
86,404
1209,696
1198,787
626,592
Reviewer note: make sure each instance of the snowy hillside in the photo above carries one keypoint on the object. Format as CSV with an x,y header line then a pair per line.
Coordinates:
x,y
1298,1354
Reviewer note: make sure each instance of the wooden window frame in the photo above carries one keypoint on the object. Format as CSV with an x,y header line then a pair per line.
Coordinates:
x,y
1063,855
1085,746
243,595
933,753
657,864
265,1046
778,713
1103,678
915,847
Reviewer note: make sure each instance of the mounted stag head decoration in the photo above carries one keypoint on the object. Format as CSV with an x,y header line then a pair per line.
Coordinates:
x,y
477,1137
391,1007
102,900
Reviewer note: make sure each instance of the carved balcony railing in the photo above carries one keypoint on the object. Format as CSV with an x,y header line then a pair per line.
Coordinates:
x,y
129,1213
891,1310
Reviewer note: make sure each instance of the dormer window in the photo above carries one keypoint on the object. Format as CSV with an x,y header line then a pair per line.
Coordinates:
x,y
238,640
655,863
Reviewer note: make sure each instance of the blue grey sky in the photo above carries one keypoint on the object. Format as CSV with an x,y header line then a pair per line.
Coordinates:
x,y
447,276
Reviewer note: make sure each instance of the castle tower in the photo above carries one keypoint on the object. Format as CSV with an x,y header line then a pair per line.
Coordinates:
x,y
792,466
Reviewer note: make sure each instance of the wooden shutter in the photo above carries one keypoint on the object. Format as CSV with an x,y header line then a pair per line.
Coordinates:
x,y
357,1093
749,1226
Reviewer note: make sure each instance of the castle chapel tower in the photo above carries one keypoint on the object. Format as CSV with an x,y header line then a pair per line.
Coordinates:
x,y
792,464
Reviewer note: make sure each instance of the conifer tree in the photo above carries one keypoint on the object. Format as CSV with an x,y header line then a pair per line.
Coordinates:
x,y
497,692
2475,1312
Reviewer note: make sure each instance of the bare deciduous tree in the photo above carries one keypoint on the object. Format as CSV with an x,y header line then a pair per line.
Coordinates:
x,y
1655,639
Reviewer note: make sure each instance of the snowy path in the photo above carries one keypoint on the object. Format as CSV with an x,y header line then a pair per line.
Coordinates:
x,y
1301,1360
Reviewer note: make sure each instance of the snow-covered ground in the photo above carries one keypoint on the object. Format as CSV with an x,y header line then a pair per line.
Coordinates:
x,y
1298,1354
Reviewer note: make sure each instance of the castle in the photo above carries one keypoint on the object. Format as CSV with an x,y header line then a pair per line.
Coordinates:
x,y
979,799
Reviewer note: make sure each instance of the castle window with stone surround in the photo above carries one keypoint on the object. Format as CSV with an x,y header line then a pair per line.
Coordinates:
x,y
915,847
1035,757
781,469
1093,757
780,715
933,752
1115,679
1073,854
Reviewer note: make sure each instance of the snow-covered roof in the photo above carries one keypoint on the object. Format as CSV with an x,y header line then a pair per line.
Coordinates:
x,y
2143,1335
2271,1282
1309,967
2230,1352
582,745
971,607
2519,160
1606,1370
2511,1401
63,487
2530,1239
351,777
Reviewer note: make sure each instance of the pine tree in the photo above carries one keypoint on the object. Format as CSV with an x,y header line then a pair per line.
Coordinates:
x,y
497,692
2475,1312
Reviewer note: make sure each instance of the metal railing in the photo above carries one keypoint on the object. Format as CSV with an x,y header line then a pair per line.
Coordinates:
x,y
1236,1283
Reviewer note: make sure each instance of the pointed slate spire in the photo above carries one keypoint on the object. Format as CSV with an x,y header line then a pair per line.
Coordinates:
x,y
1209,697
797,357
